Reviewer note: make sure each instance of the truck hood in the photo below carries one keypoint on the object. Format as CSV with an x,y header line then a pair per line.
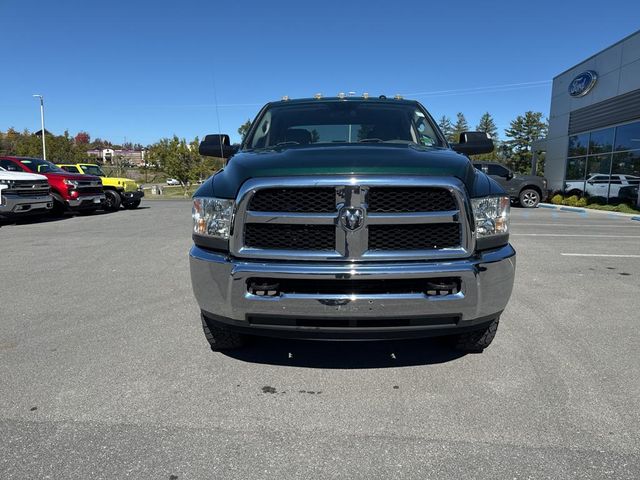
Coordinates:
x,y
6,175
125,183
377,159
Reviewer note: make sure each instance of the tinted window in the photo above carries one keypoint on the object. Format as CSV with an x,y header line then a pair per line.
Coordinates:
x,y
498,170
628,137
578,144
343,122
478,166
70,168
601,141
10,166
37,165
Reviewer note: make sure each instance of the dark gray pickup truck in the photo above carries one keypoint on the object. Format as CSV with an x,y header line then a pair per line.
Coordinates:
x,y
527,190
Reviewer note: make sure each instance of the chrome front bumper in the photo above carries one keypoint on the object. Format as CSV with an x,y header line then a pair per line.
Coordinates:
x,y
18,204
87,201
220,286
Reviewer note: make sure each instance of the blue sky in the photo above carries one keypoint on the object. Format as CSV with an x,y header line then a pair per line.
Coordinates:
x,y
144,70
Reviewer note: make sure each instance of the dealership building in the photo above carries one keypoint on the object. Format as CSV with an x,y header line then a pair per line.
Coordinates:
x,y
593,144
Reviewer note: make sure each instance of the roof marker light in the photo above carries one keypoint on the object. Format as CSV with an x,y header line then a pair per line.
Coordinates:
x,y
317,96
365,95
285,98
341,95
398,96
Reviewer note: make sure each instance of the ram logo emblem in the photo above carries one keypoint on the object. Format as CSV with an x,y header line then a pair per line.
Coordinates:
x,y
352,218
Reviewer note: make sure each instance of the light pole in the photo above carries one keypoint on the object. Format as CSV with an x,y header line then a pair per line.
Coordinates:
x,y
44,147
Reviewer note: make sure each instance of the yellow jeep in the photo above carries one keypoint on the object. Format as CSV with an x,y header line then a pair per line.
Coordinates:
x,y
119,191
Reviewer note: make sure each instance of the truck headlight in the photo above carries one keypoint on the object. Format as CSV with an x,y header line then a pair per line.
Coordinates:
x,y
212,217
71,183
491,215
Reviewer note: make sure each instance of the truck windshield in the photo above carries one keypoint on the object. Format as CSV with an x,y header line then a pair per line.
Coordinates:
x,y
93,170
343,122
37,165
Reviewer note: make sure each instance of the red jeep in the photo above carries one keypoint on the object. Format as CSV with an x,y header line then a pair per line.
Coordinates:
x,y
70,191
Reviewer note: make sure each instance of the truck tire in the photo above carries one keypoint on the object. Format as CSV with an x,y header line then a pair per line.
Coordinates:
x,y
112,201
220,338
132,205
477,340
529,198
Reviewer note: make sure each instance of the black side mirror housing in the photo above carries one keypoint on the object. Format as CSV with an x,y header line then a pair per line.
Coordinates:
x,y
473,143
217,146
509,175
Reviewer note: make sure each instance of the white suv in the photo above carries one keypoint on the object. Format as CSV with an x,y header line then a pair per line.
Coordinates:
x,y
597,185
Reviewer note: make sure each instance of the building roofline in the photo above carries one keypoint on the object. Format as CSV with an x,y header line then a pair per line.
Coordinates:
x,y
598,53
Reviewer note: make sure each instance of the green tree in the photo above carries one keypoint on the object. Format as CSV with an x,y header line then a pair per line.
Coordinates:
x,y
522,132
447,127
460,126
487,125
244,129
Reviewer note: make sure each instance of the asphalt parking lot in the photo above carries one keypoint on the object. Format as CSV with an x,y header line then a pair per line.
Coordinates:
x,y
105,372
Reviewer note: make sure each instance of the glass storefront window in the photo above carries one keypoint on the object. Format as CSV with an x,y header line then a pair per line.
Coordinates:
x,y
604,165
597,186
601,141
578,144
627,164
628,137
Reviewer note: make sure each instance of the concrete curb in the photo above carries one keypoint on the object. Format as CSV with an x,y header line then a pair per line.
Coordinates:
x,y
564,208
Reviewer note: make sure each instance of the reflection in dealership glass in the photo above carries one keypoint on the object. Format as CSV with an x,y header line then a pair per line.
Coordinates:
x,y
604,165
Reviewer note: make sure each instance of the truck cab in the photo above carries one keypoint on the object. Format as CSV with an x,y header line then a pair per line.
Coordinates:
x,y
350,219
118,191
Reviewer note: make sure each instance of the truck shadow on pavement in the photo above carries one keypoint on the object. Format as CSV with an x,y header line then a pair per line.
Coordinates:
x,y
345,355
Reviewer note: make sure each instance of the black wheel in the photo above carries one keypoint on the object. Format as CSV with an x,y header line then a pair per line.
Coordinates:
x,y
529,198
220,338
477,340
112,201
132,205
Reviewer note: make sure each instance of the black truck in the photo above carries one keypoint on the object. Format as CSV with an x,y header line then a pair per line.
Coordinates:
x,y
350,218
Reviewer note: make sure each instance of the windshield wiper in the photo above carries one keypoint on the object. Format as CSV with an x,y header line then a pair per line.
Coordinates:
x,y
371,140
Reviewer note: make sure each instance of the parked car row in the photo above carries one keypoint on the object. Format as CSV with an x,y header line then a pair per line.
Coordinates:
x,y
32,185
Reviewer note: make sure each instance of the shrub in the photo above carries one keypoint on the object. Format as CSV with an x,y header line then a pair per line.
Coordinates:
x,y
557,199
572,201
581,202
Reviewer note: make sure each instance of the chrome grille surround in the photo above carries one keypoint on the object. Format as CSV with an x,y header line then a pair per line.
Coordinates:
x,y
352,245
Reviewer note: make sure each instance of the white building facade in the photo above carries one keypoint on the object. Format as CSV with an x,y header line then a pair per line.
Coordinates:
x,y
593,144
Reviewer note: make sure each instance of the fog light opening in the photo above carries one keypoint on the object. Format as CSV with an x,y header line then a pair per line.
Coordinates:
x,y
264,289
440,288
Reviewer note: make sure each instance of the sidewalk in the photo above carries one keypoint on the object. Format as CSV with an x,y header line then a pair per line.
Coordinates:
x,y
631,216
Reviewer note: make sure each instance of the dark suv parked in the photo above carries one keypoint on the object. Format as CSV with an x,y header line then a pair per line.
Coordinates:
x,y
527,190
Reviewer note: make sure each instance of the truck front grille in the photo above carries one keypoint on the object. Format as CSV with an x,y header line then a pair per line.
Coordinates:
x,y
290,237
352,218
30,188
410,199
414,237
309,200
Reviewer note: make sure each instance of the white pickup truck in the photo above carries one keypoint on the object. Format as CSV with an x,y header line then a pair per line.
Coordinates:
x,y
22,193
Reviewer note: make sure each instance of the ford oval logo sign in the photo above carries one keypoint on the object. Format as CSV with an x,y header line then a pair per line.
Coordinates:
x,y
583,83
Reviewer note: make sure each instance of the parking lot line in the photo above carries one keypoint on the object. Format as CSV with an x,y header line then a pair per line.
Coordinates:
x,y
599,255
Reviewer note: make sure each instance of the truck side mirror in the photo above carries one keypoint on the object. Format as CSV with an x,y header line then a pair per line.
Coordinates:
x,y
509,175
217,146
473,143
